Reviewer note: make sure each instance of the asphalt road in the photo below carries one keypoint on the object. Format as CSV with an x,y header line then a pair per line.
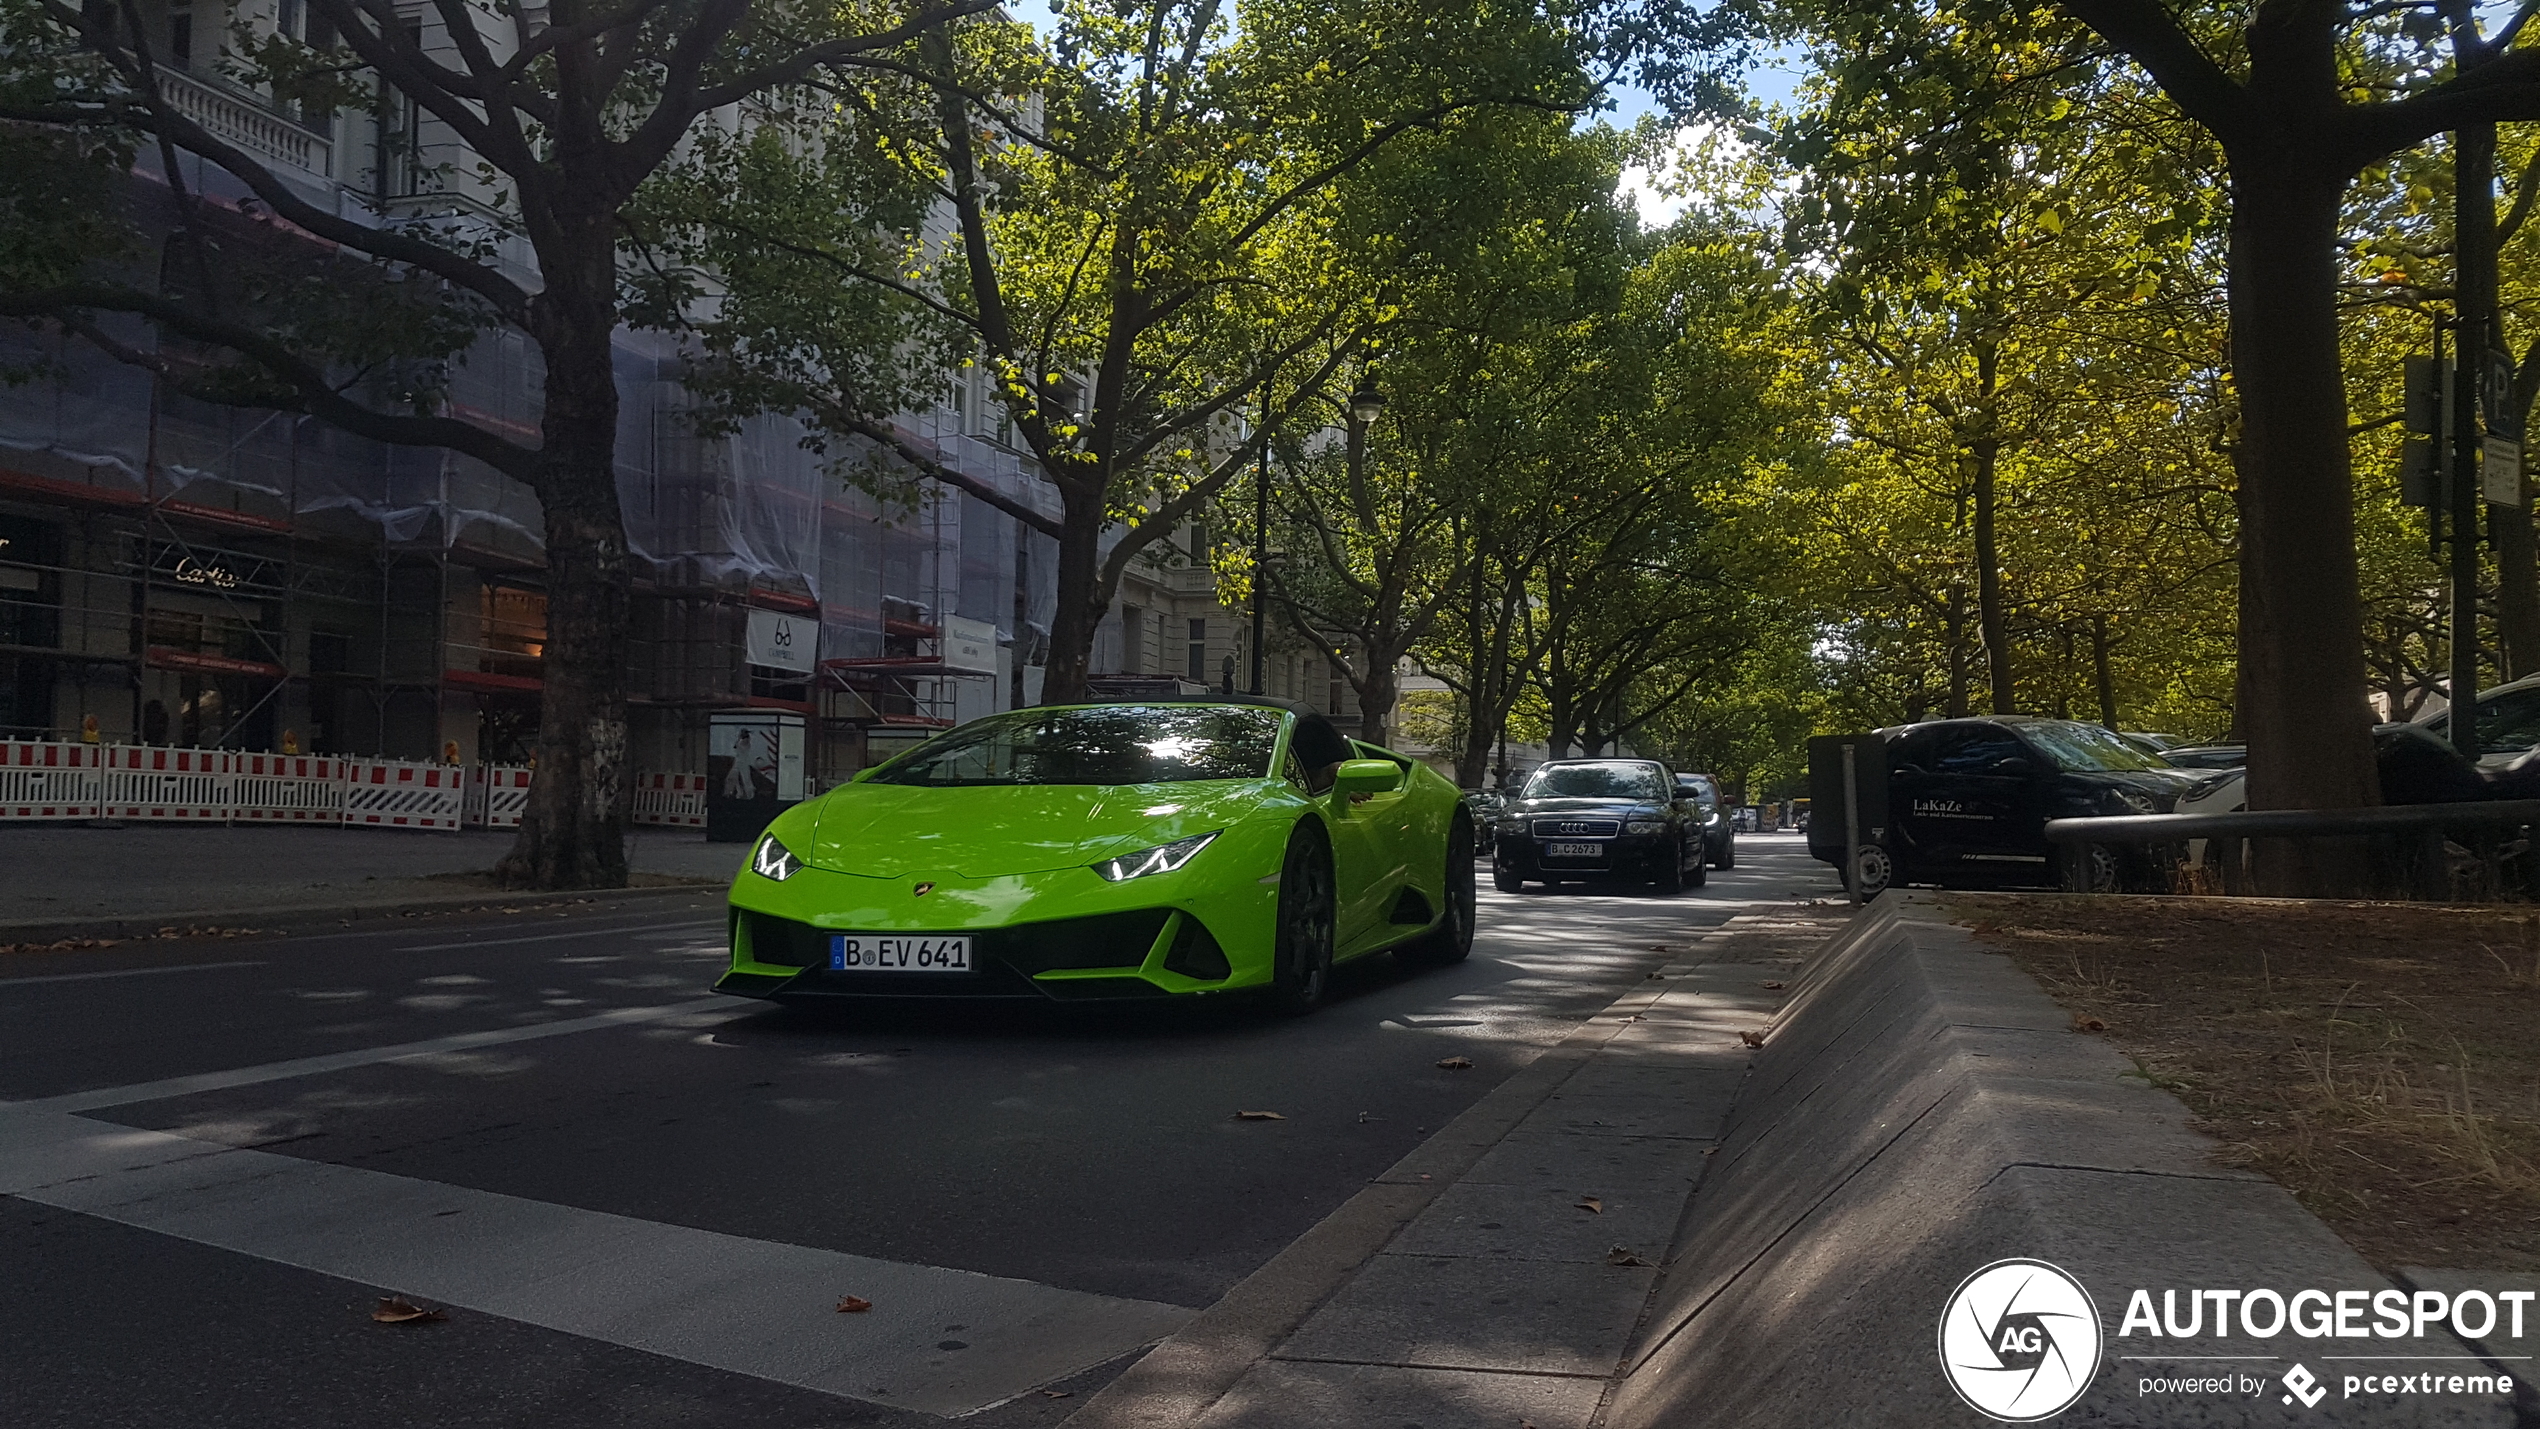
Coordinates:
x,y
640,1205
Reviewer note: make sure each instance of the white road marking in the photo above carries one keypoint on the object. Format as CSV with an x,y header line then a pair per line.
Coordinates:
x,y
754,1307
122,972
708,1006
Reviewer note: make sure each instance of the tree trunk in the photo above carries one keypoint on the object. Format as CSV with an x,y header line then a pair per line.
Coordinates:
x,y
2518,589
2301,635
1959,676
1376,691
2101,677
1986,452
572,834
1081,603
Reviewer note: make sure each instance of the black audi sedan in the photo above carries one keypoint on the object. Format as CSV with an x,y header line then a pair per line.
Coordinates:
x,y
1594,820
1968,799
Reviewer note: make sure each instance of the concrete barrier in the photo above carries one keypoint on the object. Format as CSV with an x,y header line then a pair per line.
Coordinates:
x,y
1921,1109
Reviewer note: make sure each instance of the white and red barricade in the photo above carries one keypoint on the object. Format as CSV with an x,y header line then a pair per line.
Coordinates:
x,y
46,780
670,800
150,782
393,793
497,795
287,789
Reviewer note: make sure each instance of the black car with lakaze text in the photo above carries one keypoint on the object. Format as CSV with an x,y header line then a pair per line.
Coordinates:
x,y
1598,820
1968,799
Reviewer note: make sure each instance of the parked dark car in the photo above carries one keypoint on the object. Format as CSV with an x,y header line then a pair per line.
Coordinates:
x,y
1485,807
1968,799
2208,756
1593,820
1719,831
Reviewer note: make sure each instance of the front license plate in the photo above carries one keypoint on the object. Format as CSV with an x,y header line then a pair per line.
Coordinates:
x,y
1574,850
898,953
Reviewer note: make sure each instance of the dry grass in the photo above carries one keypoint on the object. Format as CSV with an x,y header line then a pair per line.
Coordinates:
x,y
2381,1061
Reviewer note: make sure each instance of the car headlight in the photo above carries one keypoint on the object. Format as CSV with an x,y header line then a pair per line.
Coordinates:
x,y
1153,860
1645,826
772,860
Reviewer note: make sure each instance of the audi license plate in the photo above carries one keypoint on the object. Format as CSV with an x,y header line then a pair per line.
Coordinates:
x,y
1574,850
898,953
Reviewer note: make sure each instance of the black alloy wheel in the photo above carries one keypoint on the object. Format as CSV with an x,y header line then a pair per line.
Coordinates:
x,y
1671,872
1506,881
1452,939
1701,864
1307,909
1728,853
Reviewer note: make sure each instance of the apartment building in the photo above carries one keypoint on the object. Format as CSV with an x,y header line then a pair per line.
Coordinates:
x,y
173,572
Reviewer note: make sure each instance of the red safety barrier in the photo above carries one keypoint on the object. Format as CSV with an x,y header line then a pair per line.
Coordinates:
x,y
395,794
154,783
497,795
671,800
287,789
43,780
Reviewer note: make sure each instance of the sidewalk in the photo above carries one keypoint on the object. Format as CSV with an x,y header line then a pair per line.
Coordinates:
x,y
1495,1275
60,876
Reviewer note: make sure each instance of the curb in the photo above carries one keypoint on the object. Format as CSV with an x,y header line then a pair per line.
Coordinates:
x,y
1174,1383
285,917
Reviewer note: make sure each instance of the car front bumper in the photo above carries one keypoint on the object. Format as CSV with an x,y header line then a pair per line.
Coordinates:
x,y
1062,936
1625,856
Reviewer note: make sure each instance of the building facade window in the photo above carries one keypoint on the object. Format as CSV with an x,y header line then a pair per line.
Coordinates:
x,y
1199,651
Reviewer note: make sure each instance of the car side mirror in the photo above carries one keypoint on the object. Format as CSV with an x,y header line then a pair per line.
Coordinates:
x,y
1358,778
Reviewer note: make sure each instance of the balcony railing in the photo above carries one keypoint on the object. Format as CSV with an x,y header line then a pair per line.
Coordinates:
x,y
247,123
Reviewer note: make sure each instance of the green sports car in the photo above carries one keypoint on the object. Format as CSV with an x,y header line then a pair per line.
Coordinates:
x,y
1129,850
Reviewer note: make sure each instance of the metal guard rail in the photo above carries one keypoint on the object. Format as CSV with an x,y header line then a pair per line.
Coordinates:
x,y
2228,831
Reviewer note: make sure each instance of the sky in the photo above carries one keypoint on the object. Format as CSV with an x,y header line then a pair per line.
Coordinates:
x,y
1773,81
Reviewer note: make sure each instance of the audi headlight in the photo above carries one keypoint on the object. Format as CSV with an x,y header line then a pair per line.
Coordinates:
x,y
773,860
1153,860
1645,826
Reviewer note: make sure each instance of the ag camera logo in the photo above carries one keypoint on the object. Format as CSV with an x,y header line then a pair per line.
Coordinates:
x,y
2020,1341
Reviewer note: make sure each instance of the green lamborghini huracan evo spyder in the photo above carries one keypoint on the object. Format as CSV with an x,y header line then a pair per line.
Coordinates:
x,y
1128,850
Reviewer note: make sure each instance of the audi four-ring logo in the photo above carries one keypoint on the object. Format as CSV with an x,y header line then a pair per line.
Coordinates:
x,y
1574,828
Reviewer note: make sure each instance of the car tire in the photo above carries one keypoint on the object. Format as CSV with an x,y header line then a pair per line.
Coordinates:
x,y
1728,854
1506,882
1308,908
1671,877
1451,941
1701,874
1877,872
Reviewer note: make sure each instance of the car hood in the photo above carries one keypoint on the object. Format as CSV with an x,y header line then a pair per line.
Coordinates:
x,y
2164,787
1609,808
896,830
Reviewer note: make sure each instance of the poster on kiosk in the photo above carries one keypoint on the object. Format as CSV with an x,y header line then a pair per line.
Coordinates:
x,y
754,771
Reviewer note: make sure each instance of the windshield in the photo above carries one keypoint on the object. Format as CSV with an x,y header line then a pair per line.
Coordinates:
x,y
1595,781
1106,744
2087,747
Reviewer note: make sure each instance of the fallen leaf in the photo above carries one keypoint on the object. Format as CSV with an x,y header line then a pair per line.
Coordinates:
x,y
2084,1022
1751,1039
1622,1255
1657,977
1057,1393
1775,986
1710,1151
1259,1116
853,1305
398,1310
1592,1204
1454,1064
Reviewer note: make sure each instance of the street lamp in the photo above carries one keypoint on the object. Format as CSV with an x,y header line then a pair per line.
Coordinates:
x,y
1366,404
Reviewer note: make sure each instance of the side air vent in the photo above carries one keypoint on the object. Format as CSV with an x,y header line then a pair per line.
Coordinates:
x,y
1411,909
1195,953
